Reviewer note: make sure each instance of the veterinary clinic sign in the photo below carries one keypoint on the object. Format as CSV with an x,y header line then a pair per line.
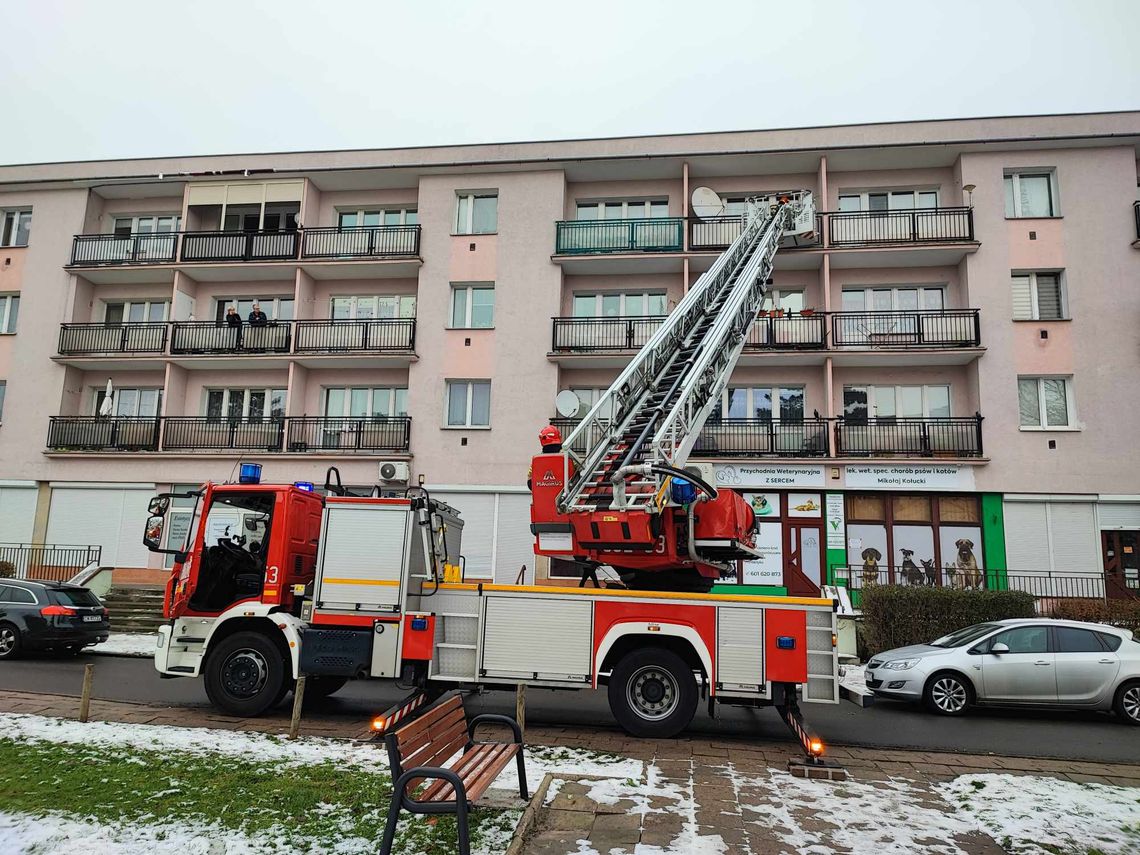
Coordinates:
x,y
750,475
905,477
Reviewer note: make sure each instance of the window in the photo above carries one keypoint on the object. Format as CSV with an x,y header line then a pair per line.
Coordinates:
x,y
130,403
15,228
885,402
1023,639
9,311
1044,402
633,209
150,224
275,308
468,403
619,304
252,404
587,397
477,214
788,301
274,216
373,402
901,298
1111,642
1038,297
1030,194
369,307
378,217
14,594
472,307
136,312
887,200
1072,640
766,403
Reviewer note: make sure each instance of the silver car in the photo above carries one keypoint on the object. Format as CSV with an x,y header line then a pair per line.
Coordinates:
x,y
1023,662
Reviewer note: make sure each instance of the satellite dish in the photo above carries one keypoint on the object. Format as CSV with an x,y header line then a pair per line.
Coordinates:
x,y
567,403
707,203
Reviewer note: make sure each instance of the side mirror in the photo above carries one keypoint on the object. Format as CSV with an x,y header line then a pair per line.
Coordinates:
x,y
152,537
158,506
1000,647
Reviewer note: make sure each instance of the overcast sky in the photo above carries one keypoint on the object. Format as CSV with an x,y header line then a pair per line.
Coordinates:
x,y
84,80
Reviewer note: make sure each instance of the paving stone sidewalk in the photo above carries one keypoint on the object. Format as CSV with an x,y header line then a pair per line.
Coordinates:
x,y
697,780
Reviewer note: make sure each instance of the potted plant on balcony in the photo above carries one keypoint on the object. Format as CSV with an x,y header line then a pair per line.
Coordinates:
x,y
807,313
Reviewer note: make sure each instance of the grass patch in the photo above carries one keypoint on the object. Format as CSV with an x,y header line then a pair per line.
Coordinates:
x,y
309,808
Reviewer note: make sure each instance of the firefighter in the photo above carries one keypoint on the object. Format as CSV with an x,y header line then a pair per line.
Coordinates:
x,y
551,441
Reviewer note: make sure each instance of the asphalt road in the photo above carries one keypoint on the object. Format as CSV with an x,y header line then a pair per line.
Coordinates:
x,y
1067,735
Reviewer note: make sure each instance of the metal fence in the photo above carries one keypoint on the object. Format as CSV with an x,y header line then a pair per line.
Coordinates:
x,y
763,437
906,329
717,233
911,437
206,433
135,248
918,225
777,331
586,335
82,339
48,562
240,246
361,242
103,433
217,337
351,336
653,234
326,433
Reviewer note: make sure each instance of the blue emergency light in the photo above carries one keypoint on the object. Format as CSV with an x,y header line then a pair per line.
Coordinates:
x,y
250,473
785,642
419,623
307,486
683,492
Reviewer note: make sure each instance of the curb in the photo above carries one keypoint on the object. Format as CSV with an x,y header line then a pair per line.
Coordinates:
x,y
530,816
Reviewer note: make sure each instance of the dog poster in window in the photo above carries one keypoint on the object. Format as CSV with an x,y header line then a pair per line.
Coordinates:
x,y
914,560
805,505
768,569
962,561
867,556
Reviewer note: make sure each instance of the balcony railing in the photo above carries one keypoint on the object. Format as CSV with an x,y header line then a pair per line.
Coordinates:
x,y
89,339
808,437
295,434
585,237
383,335
717,233
240,246
103,433
332,434
1042,585
919,225
788,332
589,335
53,562
135,248
211,337
763,438
906,329
909,437
362,242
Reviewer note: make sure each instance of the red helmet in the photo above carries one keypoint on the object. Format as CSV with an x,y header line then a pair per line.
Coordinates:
x,y
550,435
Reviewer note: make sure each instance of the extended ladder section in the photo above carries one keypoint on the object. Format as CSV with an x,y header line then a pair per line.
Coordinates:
x,y
653,413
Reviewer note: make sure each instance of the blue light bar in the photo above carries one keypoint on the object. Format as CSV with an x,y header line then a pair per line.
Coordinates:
x,y
307,486
250,473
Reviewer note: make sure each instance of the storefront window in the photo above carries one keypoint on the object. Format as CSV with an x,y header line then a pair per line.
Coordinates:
x,y
912,508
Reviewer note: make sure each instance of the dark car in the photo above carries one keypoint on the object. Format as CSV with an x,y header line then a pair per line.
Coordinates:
x,y
49,616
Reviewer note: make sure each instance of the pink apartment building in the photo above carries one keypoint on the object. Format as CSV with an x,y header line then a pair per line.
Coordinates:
x,y
944,377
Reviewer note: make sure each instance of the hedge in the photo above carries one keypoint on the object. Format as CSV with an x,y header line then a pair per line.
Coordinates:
x,y
898,615
1122,613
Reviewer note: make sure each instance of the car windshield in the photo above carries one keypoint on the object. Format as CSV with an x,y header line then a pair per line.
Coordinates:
x,y
961,637
74,597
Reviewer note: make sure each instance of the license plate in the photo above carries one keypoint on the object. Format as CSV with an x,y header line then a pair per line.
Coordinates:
x,y
93,617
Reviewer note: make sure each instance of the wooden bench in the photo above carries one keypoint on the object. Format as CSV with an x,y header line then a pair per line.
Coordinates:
x,y
421,752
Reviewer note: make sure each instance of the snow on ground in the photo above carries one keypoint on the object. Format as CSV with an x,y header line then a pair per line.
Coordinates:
x,y
1041,815
854,677
127,644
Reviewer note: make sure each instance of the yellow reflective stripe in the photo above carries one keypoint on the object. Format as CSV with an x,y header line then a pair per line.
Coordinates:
x,y
385,582
645,595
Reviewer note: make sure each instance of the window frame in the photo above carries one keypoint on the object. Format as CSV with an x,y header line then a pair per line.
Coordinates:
x,y
98,393
136,219
588,396
247,394
645,203
1042,409
469,384
1014,176
623,297
868,299
10,222
468,289
127,304
897,387
1034,304
382,212
775,396
354,301
864,197
8,318
265,302
465,221
392,393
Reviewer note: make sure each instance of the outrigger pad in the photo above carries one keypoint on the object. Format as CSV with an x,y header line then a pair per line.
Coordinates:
x,y
819,770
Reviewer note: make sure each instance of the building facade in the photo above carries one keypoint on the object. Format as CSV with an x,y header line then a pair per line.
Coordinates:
x,y
939,390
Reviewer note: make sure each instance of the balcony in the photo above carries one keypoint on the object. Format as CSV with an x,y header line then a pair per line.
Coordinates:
x,y
915,226
595,237
208,337
295,435
716,234
107,339
906,330
887,436
362,242
239,246
603,335
763,438
373,335
135,248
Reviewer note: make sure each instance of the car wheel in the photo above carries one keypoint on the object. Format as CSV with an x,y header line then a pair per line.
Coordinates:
x,y
948,694
1127,703
652,693
9,641
244,674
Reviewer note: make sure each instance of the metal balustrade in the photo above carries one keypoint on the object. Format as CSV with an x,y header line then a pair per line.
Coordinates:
x,y
262,245
361,242
777,331
103,433
909,329
717,234
586,335
380,335
1042,585
348,434
134,248
763,438
223,433
914,226
206,337
129,338
52,562
909,437
652,234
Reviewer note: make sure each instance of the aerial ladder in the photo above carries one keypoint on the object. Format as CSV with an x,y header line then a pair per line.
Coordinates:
x,y
618,493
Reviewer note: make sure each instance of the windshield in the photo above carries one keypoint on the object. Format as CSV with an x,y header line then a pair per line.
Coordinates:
x,y
962,637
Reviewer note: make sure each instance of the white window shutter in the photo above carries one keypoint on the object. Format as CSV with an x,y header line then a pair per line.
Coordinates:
x,y
1022,298
1026,537
1073,537
477,510
514,544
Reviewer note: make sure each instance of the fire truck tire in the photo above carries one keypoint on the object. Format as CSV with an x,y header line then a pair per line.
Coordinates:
x,y
244,675
652,693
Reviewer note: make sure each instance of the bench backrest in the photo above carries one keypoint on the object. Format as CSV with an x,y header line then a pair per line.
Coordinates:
x,y
431,739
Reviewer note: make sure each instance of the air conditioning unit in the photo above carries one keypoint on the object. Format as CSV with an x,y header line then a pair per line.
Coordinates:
x,y
705,471
395,470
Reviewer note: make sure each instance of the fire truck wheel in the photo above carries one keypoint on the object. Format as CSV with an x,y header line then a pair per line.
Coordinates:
x,y
652,693
244,674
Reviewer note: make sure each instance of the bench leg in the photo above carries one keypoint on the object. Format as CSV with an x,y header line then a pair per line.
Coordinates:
x,y
461,824
522,775
390,827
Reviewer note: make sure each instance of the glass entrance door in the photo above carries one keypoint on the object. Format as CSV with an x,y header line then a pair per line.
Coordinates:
x,y
803,570
1121,550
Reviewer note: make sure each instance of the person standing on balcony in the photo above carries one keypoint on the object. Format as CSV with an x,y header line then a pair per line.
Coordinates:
x,y
257,318
233,321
